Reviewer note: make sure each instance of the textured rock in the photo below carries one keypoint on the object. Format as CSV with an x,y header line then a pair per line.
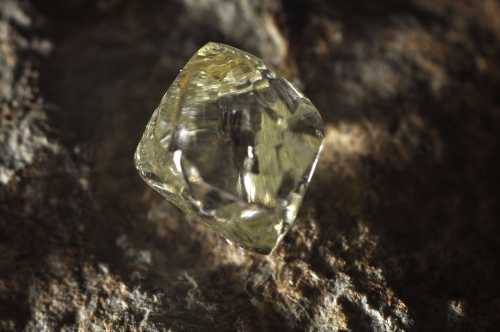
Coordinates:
x,y
398,231
22,121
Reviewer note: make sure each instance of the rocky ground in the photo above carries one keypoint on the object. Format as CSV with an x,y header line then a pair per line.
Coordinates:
x,y
399,230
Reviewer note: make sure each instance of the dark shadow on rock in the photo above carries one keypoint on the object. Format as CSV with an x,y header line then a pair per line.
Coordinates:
x,y
435,215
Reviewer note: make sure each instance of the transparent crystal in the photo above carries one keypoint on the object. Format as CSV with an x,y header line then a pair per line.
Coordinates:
x,y
233,143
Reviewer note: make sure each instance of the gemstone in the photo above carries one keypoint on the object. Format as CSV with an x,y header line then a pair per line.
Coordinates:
x,y
232,144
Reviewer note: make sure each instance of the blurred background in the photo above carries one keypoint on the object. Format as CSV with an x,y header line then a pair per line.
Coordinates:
x,y
399,230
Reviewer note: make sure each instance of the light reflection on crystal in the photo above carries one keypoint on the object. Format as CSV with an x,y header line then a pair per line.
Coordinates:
x,y
233,144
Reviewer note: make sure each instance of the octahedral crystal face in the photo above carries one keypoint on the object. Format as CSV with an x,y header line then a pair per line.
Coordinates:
x,y
233,143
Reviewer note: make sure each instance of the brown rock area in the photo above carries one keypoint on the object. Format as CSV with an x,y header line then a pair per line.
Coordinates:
x,y
399,230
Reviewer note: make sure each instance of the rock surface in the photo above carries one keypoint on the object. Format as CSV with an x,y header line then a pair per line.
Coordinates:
x,y
399,228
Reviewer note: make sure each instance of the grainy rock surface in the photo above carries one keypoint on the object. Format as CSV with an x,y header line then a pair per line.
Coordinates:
x,y
399,230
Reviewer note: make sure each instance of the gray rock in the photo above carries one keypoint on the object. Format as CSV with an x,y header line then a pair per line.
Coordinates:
x,y
398,231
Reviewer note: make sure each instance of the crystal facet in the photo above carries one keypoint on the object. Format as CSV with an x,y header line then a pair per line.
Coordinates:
x,y
233,143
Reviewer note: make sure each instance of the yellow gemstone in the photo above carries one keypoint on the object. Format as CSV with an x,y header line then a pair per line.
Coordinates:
x,y
234,144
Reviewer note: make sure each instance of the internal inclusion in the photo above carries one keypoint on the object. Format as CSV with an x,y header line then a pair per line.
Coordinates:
x,y
234,144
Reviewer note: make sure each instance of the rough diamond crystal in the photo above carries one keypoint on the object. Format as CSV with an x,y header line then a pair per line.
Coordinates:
x,y
233,143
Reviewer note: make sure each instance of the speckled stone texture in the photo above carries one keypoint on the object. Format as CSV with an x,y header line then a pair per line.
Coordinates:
x,y
398,232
